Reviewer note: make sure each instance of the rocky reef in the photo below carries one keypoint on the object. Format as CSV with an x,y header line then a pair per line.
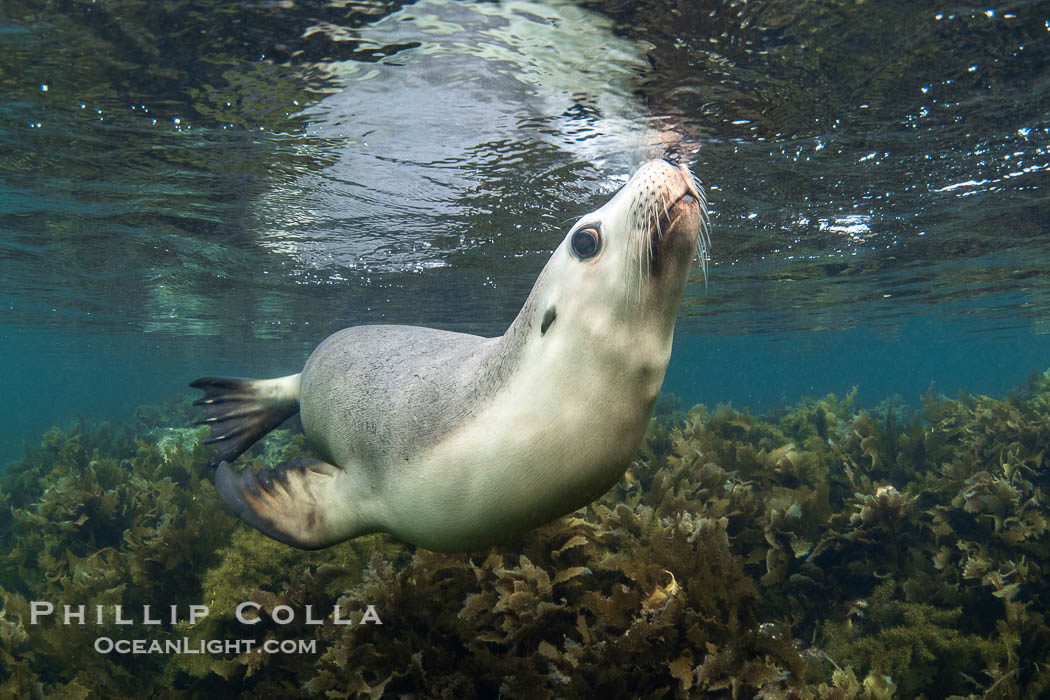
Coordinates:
x,y
821,552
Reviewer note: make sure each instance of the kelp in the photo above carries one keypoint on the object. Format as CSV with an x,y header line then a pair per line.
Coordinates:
x,y
96,518
822,551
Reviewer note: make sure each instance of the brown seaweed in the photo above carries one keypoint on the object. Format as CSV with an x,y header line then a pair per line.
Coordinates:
x,y
830,552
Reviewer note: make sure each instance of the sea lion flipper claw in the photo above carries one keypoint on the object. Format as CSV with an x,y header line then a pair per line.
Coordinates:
x,y
240,411
301,502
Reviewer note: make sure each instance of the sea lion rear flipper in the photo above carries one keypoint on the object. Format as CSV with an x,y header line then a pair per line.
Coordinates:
x,y
240,411
301,502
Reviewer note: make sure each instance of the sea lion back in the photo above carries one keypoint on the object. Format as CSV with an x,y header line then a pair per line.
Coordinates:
x,y
374,396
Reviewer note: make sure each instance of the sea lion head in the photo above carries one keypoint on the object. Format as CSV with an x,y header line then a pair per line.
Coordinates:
x,y
624,266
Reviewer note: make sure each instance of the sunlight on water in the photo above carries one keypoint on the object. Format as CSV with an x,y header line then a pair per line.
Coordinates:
x,y
520,74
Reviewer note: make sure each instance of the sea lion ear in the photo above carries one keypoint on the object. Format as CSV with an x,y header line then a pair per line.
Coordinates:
x,y
301,502
548,318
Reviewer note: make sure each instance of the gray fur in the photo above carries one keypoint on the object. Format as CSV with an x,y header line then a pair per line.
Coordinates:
x,y
376,396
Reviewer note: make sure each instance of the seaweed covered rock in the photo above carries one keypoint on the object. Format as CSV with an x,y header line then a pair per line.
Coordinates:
x,y
612,602
823,552
93,518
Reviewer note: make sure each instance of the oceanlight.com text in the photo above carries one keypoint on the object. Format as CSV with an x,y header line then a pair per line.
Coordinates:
x,y
185,645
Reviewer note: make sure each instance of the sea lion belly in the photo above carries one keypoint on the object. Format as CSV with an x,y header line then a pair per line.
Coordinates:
x,y
544,446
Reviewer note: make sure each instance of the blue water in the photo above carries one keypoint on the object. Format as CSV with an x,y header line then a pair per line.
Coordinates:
x,y
927,354
221,197
47,382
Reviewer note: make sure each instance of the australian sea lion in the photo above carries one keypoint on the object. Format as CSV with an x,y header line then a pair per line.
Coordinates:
x,y
452,441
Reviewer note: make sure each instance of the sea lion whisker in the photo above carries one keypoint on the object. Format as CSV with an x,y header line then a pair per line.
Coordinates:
x,y
643,237
626,272
647,239
637,233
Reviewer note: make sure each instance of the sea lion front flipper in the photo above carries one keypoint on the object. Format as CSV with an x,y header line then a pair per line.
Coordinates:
x,y
240,411
302,502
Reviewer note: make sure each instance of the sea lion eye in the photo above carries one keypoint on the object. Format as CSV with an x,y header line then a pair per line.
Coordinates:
x,y
586,243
